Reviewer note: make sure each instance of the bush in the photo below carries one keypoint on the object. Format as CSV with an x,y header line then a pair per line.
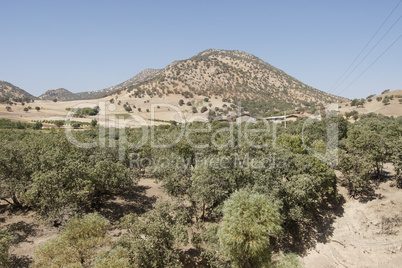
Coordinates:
x,y
75,125
59,123
37,125
77,245
5,241
249,220
93,123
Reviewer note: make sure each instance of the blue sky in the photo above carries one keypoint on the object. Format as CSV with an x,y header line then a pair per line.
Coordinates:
x,y
89,45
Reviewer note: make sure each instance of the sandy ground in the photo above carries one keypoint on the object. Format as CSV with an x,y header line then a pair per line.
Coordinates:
x,y
368,234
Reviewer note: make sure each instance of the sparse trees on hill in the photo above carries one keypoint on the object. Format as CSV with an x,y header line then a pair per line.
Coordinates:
x,y
8,108
26,109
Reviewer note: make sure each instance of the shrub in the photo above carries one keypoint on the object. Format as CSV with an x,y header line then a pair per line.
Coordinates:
x,y
5,241
77,245
249,220
37,125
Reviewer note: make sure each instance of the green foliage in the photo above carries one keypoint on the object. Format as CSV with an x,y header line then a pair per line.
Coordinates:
x,y
204,109
181,102
76,125
289,260
385,91
154,239
77,245
8,124
5,241
127,108
187,94
82,112
354,102
249,221
354,114
94,123
37,108
37,125
396,159
378,99
49,174
292,142
59,123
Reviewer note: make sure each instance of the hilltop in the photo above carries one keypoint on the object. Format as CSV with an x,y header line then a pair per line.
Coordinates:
x,y
233,75
59,94
9,91
229,75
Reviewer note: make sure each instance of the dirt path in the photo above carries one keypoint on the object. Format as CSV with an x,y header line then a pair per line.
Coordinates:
x,y
366,235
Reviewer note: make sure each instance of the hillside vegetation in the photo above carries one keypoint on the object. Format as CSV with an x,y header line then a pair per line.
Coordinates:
x,y
236,76
9,91
62,94
237,198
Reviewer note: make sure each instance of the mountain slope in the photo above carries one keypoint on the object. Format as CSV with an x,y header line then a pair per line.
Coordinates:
x,y
138,78
59,94
233,75
9,91
65,95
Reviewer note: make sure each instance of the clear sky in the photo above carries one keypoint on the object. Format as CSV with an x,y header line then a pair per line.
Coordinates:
x,y
89,45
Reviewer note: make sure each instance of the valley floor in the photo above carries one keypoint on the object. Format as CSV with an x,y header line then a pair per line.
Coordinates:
x,y
367,234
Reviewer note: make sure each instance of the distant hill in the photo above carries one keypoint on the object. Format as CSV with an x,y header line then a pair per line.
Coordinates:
x,y
391,108
65,95
9,91
59,94
233,75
